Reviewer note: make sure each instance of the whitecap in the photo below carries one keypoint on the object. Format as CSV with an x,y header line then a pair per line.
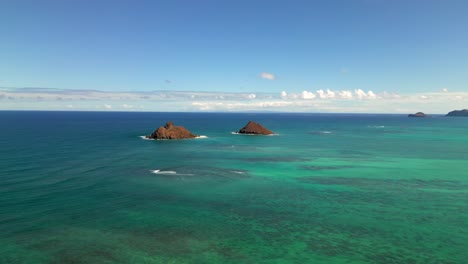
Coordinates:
x,y
238,172
145,138
244,134
320,132
162,172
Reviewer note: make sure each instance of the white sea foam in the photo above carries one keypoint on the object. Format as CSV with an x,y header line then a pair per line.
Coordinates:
x,y
238,172
243,134
376,126
145,138
160,172
163,172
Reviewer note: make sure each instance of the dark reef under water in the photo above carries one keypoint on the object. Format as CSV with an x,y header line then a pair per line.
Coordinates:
x,y
79,187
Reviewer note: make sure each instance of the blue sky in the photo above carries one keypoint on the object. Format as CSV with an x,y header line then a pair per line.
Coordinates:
x,y
408,48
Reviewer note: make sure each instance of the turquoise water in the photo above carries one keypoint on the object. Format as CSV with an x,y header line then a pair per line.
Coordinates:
x,y
79,188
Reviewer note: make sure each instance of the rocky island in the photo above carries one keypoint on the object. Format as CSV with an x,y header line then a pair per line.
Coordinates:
x,y
170,131
253,128
463,112
418,114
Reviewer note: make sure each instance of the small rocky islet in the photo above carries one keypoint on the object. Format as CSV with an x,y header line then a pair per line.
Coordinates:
x,y
253,128
418,114
170,131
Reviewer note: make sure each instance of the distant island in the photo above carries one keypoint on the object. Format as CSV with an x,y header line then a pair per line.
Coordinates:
x,y
418,114
463,112
170,131
253,128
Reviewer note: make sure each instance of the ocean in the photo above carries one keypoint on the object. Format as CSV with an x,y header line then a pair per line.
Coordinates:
x,y
84,187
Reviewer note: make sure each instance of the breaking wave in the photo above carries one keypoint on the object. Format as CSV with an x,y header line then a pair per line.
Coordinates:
x,y
145,138
237,133
168,172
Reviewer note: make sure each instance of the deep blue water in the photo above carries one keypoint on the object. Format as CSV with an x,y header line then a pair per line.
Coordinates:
x,y
328,188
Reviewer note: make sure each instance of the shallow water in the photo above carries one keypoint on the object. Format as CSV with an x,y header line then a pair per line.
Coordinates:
x,y
81,187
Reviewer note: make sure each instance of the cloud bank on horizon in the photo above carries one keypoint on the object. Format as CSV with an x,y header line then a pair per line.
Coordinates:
x,y
322,100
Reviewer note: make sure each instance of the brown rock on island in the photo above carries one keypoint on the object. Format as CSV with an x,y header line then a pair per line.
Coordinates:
x,y
253,128
170,131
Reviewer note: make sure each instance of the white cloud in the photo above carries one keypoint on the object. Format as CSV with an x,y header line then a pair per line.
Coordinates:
x,y
387,95
268,76
321,93
243,106
360,94
345,94
294,96
445,90
326,94
331,100
122,97
307,95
